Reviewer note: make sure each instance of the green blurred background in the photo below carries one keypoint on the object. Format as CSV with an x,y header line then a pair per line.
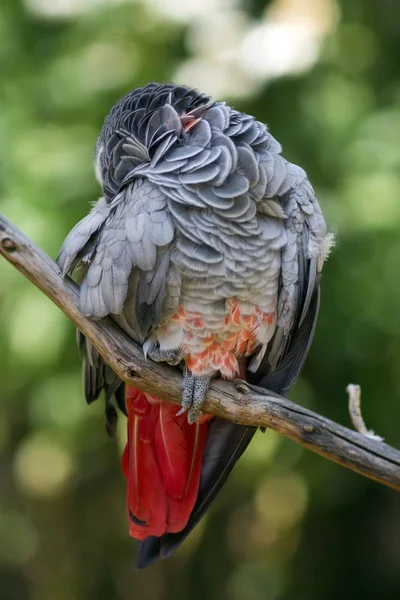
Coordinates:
x,y
289,525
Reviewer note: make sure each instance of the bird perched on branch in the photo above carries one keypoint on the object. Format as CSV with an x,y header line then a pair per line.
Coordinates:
x,y
206,247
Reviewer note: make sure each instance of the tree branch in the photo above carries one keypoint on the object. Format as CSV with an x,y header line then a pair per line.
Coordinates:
x,y
241,403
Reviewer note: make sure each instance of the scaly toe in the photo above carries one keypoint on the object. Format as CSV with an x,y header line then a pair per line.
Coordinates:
x,y
188,388
194,393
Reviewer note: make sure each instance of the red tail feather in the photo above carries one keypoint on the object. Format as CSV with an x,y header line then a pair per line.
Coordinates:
x,y
162,463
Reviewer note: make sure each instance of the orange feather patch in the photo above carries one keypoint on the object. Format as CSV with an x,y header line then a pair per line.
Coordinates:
x,y
220,352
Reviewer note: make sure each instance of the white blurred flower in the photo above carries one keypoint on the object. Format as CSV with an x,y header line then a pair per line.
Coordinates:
x,y
274,49
289,38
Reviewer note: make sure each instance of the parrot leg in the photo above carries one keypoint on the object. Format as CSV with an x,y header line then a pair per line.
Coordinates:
x,y
195,390
172,357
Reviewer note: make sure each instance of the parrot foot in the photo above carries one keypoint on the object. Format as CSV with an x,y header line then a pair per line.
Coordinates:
x,y
194,393
172,357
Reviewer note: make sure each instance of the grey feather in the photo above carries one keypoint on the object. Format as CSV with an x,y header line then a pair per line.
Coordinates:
x,y
211,199
218,117
187,197
199,160
183,152
222,140
74,244
248,165
203,175
201,135
225,165
203,252
272,208
129,239
234,185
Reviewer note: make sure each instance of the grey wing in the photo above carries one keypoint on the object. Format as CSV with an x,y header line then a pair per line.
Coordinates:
x,y
79,245
131,251
302,258
124,250
98,376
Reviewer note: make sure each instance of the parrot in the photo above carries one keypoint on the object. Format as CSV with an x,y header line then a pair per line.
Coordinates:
x,y
206,247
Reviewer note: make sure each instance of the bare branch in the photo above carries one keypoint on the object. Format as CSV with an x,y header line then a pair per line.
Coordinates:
x,y
241,403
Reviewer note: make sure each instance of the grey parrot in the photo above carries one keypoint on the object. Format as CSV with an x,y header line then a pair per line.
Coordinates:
x,y
206,247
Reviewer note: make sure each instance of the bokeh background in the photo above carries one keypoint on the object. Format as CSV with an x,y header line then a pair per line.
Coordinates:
x,y
289,525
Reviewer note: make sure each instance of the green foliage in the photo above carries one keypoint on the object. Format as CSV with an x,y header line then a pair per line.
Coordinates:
x,y
289,525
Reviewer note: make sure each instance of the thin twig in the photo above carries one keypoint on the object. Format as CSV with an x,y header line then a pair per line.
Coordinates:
x,y
354,393
241,403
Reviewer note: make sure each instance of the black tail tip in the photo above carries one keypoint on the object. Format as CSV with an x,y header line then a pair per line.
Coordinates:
x,y
148,552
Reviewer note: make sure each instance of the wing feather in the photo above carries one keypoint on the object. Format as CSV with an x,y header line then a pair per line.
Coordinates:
x,y
124,251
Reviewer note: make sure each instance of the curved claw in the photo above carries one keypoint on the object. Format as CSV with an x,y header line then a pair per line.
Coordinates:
x,y
194,393
172,357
